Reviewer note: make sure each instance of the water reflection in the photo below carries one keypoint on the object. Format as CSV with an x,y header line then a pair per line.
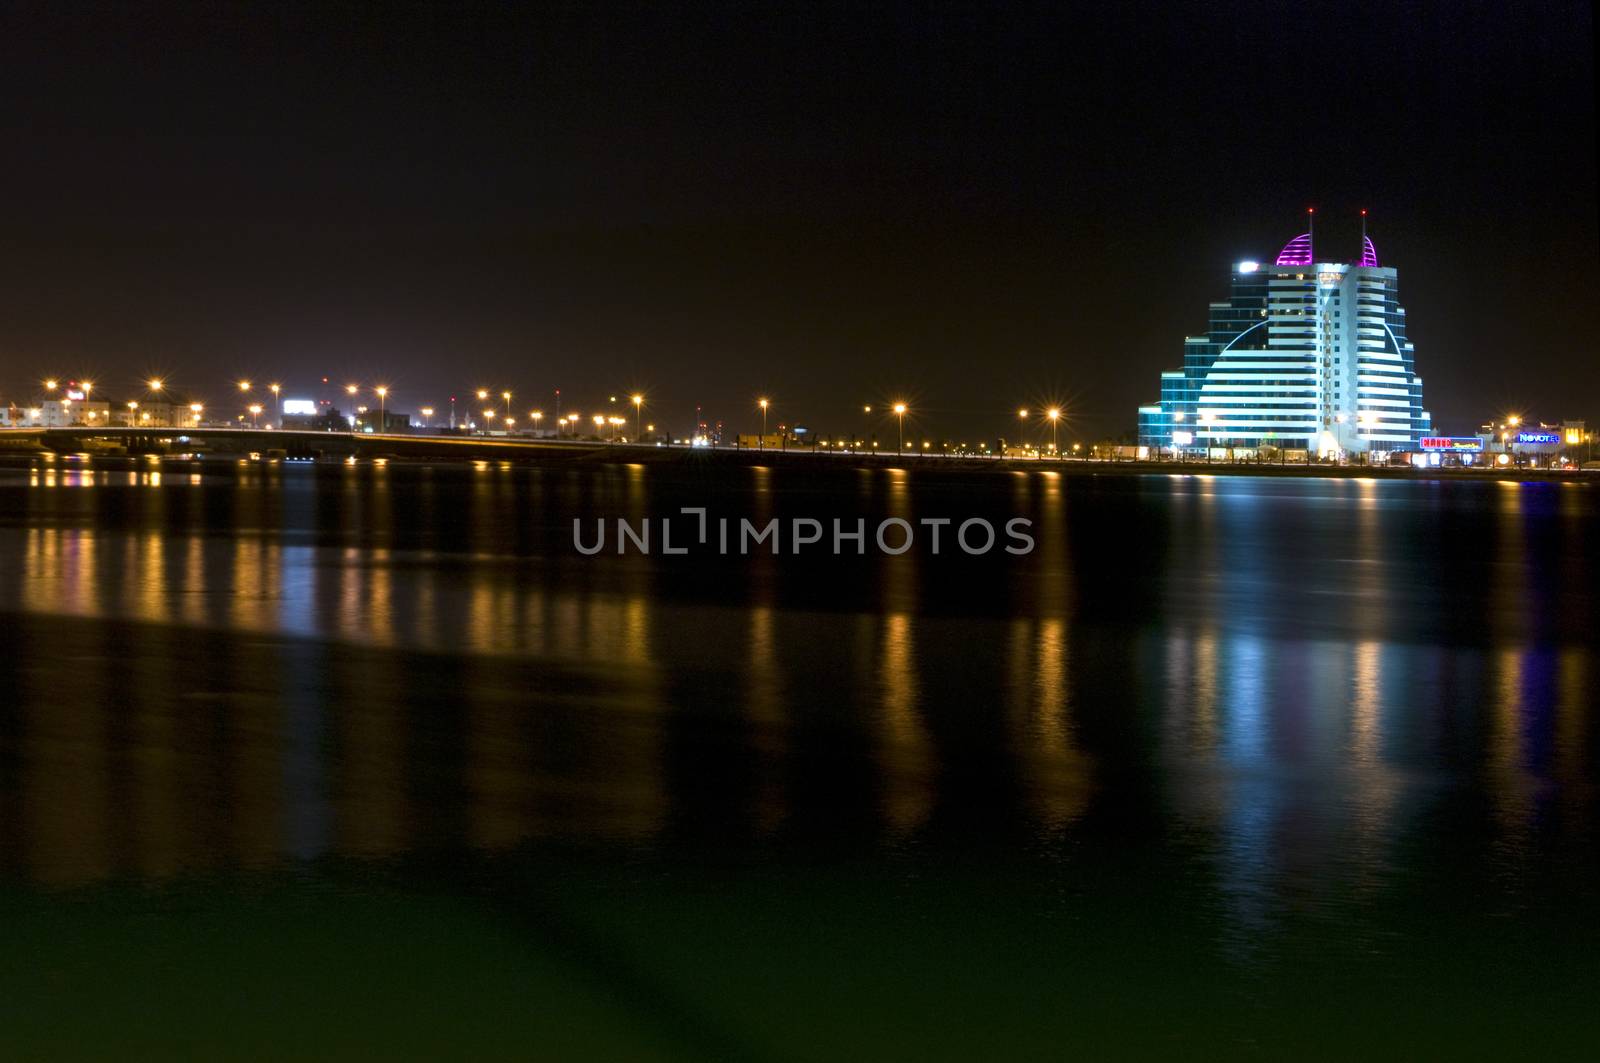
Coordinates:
x,y
1272,679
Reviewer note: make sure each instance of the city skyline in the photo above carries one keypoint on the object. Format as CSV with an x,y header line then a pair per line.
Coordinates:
x,y
858,204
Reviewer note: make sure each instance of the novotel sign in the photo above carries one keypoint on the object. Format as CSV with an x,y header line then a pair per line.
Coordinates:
x,y
1472,443
1545,439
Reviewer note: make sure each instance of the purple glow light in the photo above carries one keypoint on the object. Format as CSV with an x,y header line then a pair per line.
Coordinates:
x,y
1296,252
1369,254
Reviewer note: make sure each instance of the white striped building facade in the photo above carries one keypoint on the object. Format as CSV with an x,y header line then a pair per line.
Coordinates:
x,y
1304,355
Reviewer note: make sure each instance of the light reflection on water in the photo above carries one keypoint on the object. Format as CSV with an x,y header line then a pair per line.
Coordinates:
x,y
1283,681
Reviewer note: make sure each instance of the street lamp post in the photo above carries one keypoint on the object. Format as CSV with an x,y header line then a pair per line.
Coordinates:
x,y
761,444
638,418
536,416
277,401
427,416
1055,421
1022,416
507,396
383,400
900,412
255,412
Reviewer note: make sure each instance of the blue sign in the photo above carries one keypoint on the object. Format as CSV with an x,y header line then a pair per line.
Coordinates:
x,y
1549,439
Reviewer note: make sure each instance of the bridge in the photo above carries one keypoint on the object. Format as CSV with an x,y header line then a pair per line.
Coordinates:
x,y
293,443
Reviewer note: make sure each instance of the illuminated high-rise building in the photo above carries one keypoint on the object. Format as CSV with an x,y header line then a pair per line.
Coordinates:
x,y
1303,355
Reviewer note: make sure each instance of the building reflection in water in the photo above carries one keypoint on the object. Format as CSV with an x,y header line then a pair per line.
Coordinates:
x,y
1039,658
909,764
278,668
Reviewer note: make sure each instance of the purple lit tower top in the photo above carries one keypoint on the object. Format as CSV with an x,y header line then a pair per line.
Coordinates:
x,y
1296,252
1369,254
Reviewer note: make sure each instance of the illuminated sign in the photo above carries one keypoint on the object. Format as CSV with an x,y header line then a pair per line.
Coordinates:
x,y
1248,267
1472,443
1547,439
300,406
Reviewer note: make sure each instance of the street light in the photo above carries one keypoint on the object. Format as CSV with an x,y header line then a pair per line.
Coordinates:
x,y
536,416
195,408
761,444
244,385
507,396
132,406
427,416
900,411
1514,420
638,416
255,412
51,385
383,396
1055,421
1022,416
277,401
153,384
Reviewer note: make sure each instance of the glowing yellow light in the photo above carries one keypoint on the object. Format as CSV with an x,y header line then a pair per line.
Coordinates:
x,y
88,386
483,393
1022,413
899,407
133,405
153,384
762,403
351,389
506,395
427,411
638,400
1514,420
275,388
244,385
50,385
382,391
1053,413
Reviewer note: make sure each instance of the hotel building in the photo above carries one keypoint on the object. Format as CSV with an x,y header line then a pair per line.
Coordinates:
x,y
1303,355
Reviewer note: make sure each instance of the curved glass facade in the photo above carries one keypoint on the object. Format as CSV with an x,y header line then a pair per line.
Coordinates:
x,y
1309,356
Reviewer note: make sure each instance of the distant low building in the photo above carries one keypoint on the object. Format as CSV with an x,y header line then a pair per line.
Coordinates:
x,y
324,418
385,422
151,415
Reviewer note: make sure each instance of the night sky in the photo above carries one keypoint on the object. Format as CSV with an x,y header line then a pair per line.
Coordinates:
x,y
975,209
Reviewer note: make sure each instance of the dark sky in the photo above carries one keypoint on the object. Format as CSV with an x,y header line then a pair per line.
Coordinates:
x,y
975,208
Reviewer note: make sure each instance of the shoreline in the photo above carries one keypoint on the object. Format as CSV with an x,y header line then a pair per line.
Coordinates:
x,y
419,451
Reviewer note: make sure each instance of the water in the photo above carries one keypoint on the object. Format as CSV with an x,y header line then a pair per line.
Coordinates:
x,y
370,760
